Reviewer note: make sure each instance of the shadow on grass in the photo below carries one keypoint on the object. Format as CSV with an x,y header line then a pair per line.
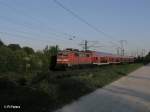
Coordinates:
x,y
121,73
67,90
28,99
36,100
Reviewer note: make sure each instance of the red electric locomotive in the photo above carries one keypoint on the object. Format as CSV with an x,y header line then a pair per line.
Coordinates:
x,y
71,57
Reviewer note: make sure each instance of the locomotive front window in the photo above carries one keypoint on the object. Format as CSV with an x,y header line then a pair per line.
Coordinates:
x,y
65,54
82,55
76,54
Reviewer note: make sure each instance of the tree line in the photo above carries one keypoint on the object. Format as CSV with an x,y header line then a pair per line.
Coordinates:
x,y
147,58
144,59
14,58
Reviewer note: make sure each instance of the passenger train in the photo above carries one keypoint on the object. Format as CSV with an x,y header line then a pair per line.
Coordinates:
x,y
73,57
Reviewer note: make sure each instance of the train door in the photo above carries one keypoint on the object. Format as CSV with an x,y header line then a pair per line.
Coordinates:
x,y
95,59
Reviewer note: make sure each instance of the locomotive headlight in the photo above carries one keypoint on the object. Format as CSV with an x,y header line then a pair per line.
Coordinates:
x,y
64,60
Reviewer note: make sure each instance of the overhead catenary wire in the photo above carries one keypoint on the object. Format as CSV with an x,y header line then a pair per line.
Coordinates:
x,y
56,37
67,35
40,23
114,43
34,37
37,34
57,33
82,19
25,37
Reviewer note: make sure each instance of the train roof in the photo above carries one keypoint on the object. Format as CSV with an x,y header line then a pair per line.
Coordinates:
x,y
104,53
110,54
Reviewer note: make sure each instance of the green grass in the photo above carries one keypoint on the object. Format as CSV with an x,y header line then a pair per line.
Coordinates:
x,y
52,90
101,76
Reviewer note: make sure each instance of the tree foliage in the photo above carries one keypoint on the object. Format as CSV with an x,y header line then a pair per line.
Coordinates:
x,y
14,47
147,58
1,43
13,58
51,53
144,60
28,50
5,56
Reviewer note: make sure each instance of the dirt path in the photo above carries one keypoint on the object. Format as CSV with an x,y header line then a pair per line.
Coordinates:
x,y
128,94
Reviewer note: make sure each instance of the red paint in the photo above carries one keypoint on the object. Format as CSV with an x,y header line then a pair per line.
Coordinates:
x,y
75,57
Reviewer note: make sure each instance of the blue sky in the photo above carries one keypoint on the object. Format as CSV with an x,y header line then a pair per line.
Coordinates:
x,y
38,23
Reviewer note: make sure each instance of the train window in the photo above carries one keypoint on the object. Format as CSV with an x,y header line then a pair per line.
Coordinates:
x,y
87,55
81,55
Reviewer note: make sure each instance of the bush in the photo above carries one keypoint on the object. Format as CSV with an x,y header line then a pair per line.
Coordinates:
x,y
5,55
70,89
51,54
147,58
22,81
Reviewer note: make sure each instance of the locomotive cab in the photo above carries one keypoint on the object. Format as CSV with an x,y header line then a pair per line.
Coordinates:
x,y
62,58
